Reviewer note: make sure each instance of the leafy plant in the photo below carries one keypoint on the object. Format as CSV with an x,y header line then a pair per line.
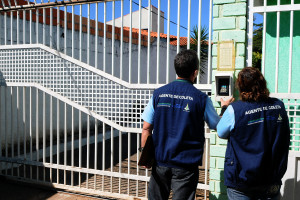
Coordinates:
x,y
203,45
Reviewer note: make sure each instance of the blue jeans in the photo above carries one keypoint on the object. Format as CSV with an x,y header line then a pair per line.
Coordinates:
x,y
270,193
182,182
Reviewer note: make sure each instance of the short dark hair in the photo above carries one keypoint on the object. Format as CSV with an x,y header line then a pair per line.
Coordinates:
x,y
252,85
185,63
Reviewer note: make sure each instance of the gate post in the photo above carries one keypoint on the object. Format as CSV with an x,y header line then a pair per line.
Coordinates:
x,y
229,23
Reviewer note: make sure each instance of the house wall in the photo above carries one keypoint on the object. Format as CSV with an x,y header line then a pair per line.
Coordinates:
x,y
229,23
144,20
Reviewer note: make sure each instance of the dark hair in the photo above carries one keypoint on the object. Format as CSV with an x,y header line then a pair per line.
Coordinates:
x,y
185,63
252,85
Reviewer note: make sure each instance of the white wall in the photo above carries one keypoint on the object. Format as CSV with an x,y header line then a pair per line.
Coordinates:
x,y
144,20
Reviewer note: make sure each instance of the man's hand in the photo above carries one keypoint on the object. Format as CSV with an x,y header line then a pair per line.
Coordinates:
x,y
227,102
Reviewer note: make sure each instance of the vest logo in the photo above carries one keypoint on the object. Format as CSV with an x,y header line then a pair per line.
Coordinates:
x,y
186,109
279,118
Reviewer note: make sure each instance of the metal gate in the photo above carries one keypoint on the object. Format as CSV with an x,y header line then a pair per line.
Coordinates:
x,y
273,40
74,80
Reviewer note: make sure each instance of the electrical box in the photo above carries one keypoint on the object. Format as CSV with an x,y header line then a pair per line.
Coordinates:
x,y
224,85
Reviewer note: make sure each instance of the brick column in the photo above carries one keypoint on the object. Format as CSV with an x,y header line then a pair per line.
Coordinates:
x,y
229,23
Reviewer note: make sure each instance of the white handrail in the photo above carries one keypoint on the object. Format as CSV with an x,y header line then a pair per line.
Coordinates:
x,y
77,106
93,69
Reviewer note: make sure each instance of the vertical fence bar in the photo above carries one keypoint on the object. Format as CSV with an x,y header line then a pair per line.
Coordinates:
x,y
168,42
149,40
250,33
96,150
51,136
113,39
6,128
129,153
104,39
178,26
44,133
51,27
103,152
139,43
65,142
30,27
189,26
24,127
111,155
11,27
57,138
130,42
5,28
199,39
30,127
24,23
65,30
11,128
72,146
18,29
209,43
121,39
88,148
138,154
58,29
295,179
73,28
158,43
264,41
120,158
80,33
37,131
44,26
206,166
18,128
80,145
96,36
88,33
291,48
37,14
277,48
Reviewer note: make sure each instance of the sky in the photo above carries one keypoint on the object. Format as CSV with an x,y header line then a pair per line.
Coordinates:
x,y
164,7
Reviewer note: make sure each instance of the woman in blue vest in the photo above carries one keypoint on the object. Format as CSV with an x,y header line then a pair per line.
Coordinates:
x,y
258,133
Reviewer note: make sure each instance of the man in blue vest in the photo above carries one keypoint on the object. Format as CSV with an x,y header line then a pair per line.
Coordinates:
x,y
257,128
176,114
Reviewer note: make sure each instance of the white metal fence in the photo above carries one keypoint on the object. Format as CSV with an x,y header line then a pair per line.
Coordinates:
x,y
282,77
280,33
277,35
50,140
102,93
291,180
131,53
71,96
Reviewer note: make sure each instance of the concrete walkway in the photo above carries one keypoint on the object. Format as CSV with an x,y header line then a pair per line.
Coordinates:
x,y
10,190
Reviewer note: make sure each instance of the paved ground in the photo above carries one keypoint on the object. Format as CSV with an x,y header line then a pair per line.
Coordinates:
x,y
15,191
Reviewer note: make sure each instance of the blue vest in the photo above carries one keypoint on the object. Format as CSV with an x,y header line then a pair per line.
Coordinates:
x,y
178,133
258,146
